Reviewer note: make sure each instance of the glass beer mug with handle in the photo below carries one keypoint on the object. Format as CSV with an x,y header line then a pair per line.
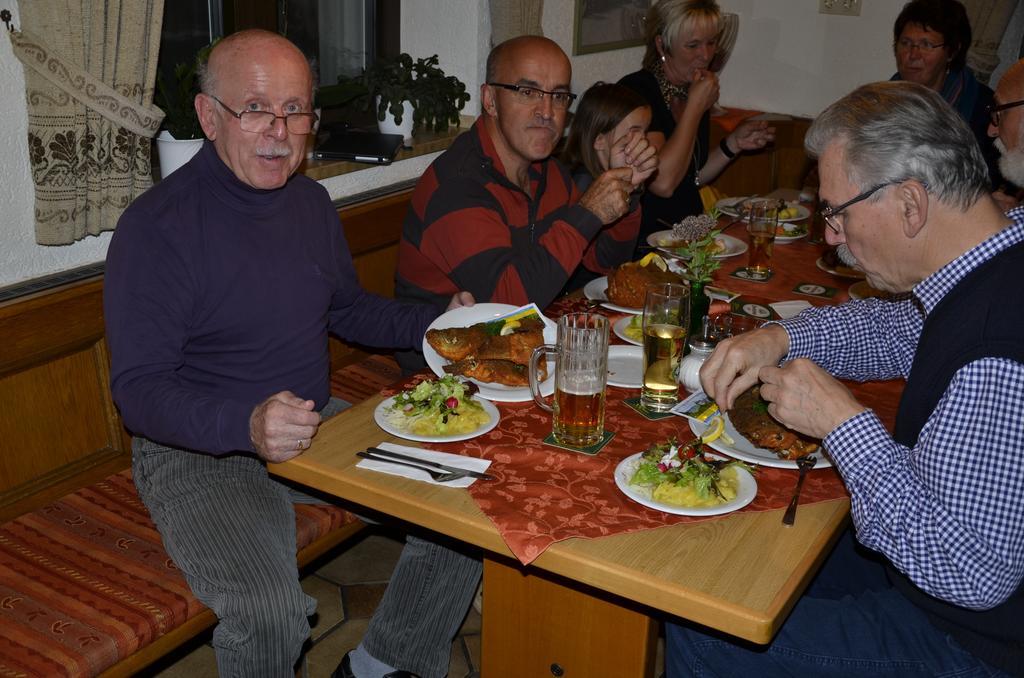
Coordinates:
x,y
581,370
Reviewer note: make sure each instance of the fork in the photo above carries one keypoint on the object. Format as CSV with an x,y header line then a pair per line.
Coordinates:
x,y
805,464
438,476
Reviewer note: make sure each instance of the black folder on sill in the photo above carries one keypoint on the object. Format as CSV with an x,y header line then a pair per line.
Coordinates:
x,y
371,147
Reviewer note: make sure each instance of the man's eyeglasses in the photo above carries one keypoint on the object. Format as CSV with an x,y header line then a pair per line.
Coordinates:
x,y
831,214
532,95
260,121
994,110
905,45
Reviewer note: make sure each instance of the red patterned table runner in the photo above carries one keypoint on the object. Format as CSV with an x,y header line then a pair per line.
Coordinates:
x,y
543,494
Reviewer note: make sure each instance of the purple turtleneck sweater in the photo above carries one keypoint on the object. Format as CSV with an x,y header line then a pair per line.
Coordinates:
x,y
218,295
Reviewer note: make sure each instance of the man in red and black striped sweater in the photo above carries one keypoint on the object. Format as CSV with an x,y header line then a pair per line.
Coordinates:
x,y
496,215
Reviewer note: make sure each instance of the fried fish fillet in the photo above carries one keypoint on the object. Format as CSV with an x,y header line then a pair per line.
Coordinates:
x,y
503,372
517,347
457,343
750,417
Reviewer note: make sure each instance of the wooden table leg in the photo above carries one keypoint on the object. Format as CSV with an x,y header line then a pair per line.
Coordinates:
x,y
536,626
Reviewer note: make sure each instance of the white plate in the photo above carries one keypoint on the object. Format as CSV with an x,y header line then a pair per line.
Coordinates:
x,y
744,450
731,246
863,290
798,233
597,290
464,316
842,272
731,207
624,471
380,416
620,330
625,366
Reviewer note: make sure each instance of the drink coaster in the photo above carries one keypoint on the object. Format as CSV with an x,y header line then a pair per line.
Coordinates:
x,y
589,451
743,273
815,290
753,309
634,404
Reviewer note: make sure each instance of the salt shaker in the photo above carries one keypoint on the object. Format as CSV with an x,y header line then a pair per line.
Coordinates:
x,y
701,347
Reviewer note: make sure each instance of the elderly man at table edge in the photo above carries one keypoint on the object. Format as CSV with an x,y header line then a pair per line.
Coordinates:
x,y
943,498
221,285
1007,128
495,214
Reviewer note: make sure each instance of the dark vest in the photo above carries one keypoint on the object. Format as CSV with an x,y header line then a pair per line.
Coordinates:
x,y
980,317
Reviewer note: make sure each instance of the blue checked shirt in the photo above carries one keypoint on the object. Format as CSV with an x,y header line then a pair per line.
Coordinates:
x,y
949,512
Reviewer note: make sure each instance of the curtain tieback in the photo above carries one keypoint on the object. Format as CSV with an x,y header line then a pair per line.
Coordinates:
x,y
91,92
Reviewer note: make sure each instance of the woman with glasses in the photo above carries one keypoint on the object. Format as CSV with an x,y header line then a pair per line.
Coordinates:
x,y
930,40
682,38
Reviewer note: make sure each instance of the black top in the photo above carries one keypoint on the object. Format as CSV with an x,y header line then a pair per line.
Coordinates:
x,y
980,308
685,201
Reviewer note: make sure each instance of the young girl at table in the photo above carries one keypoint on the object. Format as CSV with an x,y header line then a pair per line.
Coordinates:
x,y
608,118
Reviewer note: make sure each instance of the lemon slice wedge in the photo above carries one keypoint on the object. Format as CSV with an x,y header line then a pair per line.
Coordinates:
x,y
654,258
509,327
716,426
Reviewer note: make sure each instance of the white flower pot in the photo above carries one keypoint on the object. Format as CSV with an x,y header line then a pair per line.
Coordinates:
x,y
388,125
175,152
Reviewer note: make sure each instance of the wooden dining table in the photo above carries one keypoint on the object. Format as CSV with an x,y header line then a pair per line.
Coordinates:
x,y
591,607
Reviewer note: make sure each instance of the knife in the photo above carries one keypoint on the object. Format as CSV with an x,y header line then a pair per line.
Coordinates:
x,y
431,464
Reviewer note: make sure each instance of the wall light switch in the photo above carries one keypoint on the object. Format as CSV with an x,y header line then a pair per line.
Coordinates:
x,y
840,7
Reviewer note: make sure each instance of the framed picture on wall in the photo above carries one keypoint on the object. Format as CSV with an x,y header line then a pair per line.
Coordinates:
x,y
602,25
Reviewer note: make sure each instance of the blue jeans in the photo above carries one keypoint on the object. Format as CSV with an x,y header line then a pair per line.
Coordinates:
x,y
869,629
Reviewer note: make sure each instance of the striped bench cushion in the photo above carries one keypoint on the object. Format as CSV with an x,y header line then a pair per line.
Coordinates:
x,y
361,380
85,581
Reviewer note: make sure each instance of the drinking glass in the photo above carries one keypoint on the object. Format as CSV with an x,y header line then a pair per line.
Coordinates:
x,y
666,317
581,370
762,219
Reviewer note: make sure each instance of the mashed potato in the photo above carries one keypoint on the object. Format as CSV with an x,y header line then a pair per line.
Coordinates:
x,y
687,495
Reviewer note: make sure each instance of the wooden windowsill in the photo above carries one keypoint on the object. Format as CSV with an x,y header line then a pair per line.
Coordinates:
x,y
423,143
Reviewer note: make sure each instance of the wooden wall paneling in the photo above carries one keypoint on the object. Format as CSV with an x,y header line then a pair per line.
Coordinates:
x,y
781,165
372,230
58,425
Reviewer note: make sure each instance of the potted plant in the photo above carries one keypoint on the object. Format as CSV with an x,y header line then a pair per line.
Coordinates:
x,y
181,136
416,94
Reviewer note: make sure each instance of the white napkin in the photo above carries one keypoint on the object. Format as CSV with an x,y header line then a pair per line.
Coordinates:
x,y
454,460
788,309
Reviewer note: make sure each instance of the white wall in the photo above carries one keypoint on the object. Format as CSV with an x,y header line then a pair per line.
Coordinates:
x,y
788,59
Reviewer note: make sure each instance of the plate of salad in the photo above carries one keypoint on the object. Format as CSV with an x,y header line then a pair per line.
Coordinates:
x,y
686,479
437,411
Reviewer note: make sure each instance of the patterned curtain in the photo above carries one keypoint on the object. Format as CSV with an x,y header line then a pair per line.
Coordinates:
x,y
989,19
512,18
90,69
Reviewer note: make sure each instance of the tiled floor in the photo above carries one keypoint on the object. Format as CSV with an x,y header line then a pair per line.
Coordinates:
x,y
348,587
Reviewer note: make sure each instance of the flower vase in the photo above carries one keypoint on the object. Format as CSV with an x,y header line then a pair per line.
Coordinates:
x,y
700,304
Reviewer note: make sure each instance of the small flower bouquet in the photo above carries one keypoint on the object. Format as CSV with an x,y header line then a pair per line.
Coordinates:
x,y
701,246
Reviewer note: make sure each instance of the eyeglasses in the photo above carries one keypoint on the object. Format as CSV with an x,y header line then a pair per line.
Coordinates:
x,y
532,95
905,45
831,214
261,121
994,110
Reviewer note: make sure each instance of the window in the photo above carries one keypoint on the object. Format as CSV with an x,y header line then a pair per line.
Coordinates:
x,y
341,36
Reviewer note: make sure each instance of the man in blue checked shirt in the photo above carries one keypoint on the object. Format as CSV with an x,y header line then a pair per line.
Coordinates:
x,y
941,500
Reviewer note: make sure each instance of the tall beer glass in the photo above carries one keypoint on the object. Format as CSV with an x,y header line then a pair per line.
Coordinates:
x,y
581,370
762,218
666,317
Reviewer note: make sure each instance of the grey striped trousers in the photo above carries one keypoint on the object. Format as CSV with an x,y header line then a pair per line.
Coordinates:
x,y
230,529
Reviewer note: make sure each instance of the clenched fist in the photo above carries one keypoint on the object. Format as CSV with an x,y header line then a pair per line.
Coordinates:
x,y
608,196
